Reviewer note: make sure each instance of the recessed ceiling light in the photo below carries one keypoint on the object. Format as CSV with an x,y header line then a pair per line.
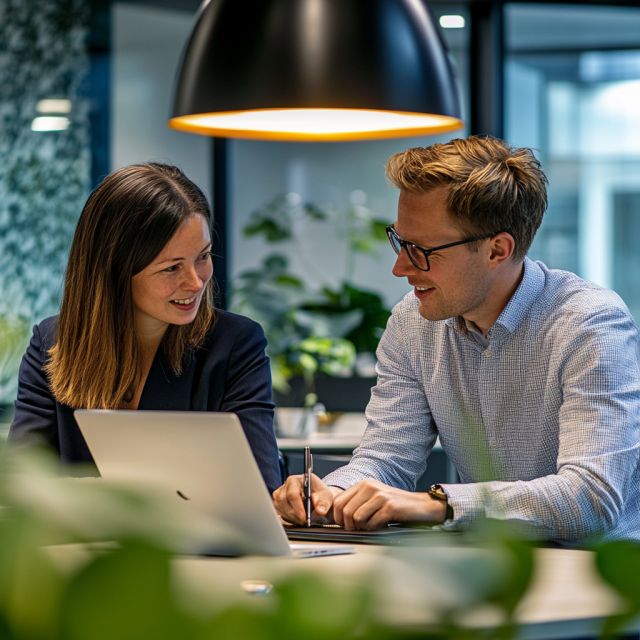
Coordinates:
x,y
53,105
452,22
50,123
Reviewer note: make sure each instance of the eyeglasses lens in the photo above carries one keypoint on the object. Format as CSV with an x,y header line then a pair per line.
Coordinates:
x,y
395,242
416,256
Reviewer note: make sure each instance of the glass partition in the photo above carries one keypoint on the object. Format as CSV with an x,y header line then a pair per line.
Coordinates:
x,y
572,89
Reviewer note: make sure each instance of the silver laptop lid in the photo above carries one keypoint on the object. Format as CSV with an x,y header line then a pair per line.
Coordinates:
x,y
203,460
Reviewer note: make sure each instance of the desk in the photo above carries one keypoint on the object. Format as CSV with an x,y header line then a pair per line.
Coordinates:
x,y
334,445
565,600
340,438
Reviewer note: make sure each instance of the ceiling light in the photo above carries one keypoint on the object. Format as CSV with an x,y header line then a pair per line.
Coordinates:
x,y
315,70
452,22
53,105
50,123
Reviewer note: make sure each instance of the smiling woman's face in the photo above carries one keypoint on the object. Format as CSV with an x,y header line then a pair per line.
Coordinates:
x,y
169,290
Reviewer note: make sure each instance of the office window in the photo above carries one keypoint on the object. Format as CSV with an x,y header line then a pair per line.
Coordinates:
x,y
572,86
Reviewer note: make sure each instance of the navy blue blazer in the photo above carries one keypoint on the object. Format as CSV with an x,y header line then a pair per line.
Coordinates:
x,y
230,372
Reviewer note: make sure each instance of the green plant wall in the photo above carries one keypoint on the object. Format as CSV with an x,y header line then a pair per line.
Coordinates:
x,y
44,176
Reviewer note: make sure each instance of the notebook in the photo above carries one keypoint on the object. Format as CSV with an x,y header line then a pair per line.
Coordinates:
x,y
203,465
389,535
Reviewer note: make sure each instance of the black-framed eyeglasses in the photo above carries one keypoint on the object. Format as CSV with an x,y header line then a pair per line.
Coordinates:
x,y
418,255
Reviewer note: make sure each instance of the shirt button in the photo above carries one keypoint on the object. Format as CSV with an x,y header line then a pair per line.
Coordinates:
x,y
487,353
492,442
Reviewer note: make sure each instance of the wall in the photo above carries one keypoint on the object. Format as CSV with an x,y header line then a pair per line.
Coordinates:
x,y
146,47
334,176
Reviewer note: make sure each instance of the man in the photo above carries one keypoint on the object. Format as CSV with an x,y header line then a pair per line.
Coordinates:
x,y
529,376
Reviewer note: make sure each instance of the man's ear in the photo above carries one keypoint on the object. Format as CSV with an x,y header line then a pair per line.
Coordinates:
x,y
502,247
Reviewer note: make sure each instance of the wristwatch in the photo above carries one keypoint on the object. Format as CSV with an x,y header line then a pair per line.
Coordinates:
x,y
438,493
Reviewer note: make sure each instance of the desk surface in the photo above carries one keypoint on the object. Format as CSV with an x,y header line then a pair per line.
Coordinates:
x,y
342,437
566,599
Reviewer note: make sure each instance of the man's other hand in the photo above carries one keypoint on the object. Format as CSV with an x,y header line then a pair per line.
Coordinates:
x,y
370,504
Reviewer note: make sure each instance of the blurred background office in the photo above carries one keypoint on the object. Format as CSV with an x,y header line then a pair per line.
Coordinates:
x,y
86,87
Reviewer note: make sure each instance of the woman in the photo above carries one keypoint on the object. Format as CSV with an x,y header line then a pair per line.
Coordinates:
x,y
137,328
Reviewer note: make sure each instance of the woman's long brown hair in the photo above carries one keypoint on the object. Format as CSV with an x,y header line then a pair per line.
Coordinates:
x,y
126,222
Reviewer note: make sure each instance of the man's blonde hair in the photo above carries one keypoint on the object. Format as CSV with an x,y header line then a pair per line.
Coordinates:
x,y
491,186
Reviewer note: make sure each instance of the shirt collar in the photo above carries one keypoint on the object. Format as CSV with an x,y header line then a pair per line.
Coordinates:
x,y
520,302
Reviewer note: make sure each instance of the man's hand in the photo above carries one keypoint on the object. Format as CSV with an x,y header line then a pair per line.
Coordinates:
x,y
371,504
289,499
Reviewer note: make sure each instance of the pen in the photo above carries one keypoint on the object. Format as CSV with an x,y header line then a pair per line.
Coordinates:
x,y
308,469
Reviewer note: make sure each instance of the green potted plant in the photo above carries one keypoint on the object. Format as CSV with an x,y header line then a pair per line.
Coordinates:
x,y
314,333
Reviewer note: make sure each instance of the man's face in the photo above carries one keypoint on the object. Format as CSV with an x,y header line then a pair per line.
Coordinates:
x,y
459,280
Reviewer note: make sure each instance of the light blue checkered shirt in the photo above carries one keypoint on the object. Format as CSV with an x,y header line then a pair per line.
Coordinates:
x,y
542,421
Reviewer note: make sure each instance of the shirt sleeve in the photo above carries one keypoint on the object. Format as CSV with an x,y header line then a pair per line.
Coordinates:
x,y
400,432
35,411
599,443
248,394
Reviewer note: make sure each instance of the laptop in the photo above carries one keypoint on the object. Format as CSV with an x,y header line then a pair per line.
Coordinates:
x,y
203,466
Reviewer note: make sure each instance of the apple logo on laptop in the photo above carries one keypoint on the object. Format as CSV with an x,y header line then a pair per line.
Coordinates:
x,y
182,495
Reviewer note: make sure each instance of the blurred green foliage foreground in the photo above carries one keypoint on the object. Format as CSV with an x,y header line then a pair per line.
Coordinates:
x,y
134,586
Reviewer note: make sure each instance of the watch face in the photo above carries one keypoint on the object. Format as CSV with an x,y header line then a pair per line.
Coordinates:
x,y
438,493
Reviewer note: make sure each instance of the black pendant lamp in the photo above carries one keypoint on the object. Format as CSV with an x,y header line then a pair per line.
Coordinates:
x,y
315,70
